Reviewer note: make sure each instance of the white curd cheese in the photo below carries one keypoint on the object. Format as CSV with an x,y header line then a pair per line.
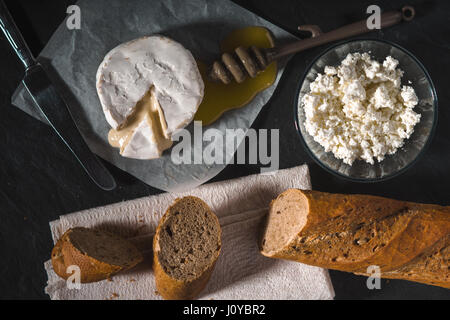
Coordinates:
x,y
359,110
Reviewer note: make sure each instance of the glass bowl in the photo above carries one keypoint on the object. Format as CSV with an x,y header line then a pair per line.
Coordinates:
x,y
415,75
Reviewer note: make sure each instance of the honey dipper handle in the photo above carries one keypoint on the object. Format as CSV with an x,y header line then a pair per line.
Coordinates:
x,y
387,19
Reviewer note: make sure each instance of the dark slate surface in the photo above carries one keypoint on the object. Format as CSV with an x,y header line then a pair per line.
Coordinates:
x,y
40,180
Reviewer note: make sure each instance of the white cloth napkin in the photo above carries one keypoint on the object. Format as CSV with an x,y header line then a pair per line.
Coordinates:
x,y
241,271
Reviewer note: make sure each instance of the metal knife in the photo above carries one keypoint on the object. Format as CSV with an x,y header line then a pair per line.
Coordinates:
x,y
52,105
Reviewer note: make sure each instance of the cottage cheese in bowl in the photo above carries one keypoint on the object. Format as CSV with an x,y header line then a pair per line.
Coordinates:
x,y
359,110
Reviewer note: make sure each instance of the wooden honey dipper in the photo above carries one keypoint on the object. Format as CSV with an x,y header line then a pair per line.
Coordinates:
x,y
253,60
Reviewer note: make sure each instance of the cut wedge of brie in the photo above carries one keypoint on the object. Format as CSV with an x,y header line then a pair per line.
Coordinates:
x,y
148,88
144,133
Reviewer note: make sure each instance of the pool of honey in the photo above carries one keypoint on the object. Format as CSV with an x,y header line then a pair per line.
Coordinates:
x,y
221,97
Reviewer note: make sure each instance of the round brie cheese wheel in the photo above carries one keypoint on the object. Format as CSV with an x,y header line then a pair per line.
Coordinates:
x,y
153,64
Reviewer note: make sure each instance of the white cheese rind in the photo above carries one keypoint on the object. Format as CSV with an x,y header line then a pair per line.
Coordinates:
x,y
359,110
129,70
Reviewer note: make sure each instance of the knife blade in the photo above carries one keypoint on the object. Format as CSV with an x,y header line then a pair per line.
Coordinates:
x,y
52,105
54,108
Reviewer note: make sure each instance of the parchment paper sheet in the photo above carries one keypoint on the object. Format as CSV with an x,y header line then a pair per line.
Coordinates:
x,y
73,56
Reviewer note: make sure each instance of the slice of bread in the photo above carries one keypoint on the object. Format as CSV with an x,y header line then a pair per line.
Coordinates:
x,y
186,247
98,254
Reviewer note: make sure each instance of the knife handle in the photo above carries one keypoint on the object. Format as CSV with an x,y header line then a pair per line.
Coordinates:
x,y
14,37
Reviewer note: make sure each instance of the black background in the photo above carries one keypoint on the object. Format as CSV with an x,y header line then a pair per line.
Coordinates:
x,y
40,180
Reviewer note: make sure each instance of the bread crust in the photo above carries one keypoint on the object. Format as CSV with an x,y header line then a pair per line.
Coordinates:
x,y
65,254
175,289
352,232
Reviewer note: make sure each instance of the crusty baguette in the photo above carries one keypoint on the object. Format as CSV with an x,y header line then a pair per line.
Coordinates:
x,y
98,254
186,247
352,232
